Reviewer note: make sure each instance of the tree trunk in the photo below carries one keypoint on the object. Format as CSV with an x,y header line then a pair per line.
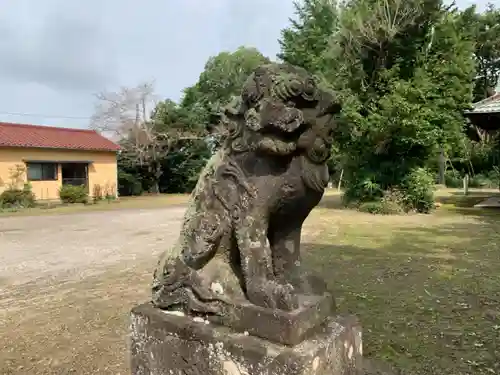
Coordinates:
x,y
157,174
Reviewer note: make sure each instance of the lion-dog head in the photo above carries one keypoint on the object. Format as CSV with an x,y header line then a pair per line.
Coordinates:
x,y
281,111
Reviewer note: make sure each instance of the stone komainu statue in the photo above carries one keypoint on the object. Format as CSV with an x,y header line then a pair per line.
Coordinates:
x,y
240,238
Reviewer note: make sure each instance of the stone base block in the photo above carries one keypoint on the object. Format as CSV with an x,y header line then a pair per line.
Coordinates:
x,y
165,343
282,327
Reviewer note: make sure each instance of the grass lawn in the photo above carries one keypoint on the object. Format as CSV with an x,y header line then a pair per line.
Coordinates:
x,y
448,196
142,202
426,287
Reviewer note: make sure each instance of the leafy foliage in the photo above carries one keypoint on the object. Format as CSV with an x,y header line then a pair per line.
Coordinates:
x,y
129,183
404,72
17,198
484,29
73,194
403,100
18,193
305,42
223,77
417,191
174,139
183,167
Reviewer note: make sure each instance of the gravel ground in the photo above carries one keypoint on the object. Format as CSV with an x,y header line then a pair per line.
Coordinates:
x,y
67,283
81,244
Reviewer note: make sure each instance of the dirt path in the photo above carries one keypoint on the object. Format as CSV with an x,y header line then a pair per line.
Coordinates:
x,y
67,283
74,245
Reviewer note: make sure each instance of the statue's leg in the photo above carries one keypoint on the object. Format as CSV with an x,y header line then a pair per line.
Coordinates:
x,y
287,261
168,282
256,263
285,245
176,283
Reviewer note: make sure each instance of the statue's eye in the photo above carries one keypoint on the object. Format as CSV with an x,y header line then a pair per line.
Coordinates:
x,y
295,87
309,87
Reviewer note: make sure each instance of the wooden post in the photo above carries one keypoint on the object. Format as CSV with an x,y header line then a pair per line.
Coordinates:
x,y
340,180
466,184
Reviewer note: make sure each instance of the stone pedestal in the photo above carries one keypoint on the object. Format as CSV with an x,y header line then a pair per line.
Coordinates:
x,y
169,343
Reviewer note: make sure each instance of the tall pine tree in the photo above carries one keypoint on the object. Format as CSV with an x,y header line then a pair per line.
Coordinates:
x,y
390,62
305,41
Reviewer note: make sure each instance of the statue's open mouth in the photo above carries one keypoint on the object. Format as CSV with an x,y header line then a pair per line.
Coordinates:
x,y
289,133
277,141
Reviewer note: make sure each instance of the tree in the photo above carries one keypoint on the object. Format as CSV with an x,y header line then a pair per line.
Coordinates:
x,y
306,40
388,62
125,115
122,113
411,69
182,166
146,129
225,74
484,30
223,77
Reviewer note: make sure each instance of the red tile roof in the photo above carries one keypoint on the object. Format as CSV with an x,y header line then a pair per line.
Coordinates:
x,y
22,135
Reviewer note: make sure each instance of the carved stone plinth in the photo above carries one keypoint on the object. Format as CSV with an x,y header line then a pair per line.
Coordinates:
x,y
165,343
282,327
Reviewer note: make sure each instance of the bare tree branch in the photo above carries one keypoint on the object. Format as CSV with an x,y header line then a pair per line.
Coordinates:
x,y
378,23
119,113
125,116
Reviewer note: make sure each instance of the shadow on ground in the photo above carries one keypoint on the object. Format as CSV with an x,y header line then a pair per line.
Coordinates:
x,y
429,299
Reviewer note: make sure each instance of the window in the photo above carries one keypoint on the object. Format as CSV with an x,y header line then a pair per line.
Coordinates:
x,y
42,171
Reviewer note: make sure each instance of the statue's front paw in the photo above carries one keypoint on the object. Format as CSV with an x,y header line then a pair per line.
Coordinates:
x,y
270,294
286,297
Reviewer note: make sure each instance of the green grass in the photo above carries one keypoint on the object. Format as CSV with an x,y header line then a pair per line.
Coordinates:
x,y
143,202
449,197
426,287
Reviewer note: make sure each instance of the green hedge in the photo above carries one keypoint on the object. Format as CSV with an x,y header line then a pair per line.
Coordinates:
x,y
73,194
17,198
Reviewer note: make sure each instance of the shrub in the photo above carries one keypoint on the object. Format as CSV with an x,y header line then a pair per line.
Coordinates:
x,y
110,192
393,202
417,191
110,197
128,184
97,193
494,176
73,194
17,198
489,180
453,179
479,181
374,207
390,204
362,191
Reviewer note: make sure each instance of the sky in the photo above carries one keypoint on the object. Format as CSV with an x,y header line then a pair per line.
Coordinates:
x,y
55,55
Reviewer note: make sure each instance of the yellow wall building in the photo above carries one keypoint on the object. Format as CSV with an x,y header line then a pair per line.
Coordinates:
x,y
48,157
